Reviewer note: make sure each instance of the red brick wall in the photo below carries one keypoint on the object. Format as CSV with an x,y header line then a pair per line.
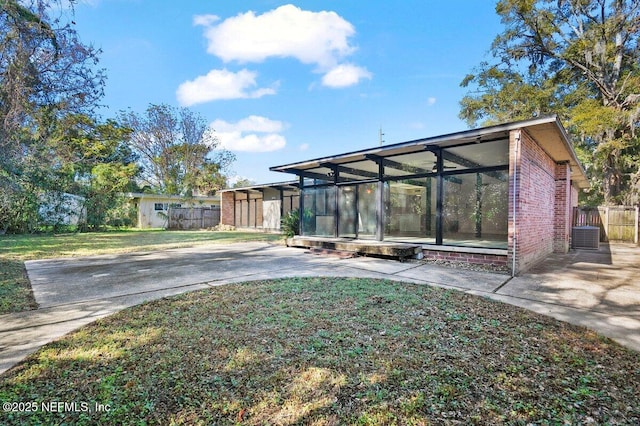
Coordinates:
x,y
535,201
563,205
227,203
483,259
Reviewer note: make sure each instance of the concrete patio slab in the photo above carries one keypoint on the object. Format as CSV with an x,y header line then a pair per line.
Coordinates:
x,y
605,281
600,290
464,279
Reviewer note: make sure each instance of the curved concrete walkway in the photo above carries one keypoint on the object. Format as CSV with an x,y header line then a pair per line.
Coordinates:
x,y
600,290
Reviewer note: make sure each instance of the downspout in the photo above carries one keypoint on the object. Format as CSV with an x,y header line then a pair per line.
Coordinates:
x,y
515,173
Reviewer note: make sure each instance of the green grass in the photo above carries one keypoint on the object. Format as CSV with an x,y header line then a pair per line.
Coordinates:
x,y
328,351
15,290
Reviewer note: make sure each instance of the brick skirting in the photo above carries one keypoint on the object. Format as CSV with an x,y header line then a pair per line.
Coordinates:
x,y
477,258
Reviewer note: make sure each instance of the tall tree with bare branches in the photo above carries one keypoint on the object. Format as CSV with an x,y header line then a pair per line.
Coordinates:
x,y
177,151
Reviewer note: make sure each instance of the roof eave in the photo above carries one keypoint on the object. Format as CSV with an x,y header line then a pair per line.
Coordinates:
x,y
471,135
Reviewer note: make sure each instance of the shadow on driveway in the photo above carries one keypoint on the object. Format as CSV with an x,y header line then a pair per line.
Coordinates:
x,y
597,289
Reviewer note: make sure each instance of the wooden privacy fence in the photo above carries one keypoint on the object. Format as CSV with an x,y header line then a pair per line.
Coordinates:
x,y
193,217
616,223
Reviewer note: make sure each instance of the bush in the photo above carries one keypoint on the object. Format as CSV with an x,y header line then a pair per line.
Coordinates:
x,y
290,223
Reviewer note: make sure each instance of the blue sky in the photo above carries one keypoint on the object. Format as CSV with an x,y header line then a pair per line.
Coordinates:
x,y
284,82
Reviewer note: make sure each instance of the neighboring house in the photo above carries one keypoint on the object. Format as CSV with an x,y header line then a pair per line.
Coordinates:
x,y
61,208
501,194
153,209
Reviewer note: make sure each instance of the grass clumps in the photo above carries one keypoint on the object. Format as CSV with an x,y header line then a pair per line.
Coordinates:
x,y
329,351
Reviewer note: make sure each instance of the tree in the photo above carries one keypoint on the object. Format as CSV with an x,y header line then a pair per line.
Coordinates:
x,y
46,74
98,164
577,58
177,150
243,182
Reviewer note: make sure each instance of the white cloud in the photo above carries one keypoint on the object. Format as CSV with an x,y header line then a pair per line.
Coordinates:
x,y
221,84
431,101
205,20
320,38
251,134
303,147
345,75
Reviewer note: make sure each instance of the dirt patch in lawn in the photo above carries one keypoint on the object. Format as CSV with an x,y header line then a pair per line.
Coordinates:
x,y
329,351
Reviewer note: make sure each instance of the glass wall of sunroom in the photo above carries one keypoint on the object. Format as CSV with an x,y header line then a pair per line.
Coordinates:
x,y
454,195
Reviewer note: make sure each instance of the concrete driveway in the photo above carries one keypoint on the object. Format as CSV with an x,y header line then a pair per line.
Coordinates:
x,y
600,290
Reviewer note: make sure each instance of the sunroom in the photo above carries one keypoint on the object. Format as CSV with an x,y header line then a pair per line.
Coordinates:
x,y
431,193
451,193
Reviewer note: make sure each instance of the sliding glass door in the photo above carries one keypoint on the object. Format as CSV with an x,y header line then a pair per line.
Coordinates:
x,y
357,211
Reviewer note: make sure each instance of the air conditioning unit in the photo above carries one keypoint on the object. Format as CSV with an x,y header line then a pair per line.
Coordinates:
x,y
585,237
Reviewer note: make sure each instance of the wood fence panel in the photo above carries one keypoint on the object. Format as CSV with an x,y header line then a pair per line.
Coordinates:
x,y
616,223
185,218
622,222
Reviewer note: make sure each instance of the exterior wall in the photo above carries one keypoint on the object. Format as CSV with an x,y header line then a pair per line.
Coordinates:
x,y
535,188
271,207
57,208
148,217
227,209
476,258
261,212
562,224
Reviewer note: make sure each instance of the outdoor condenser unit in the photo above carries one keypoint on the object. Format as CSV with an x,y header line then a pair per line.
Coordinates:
x,y
585,237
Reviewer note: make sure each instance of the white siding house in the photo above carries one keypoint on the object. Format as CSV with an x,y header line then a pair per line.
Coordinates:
x,y
153,208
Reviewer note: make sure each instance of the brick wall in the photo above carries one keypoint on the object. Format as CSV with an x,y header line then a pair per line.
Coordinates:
x,y
535,201
227,203
562,222
476,258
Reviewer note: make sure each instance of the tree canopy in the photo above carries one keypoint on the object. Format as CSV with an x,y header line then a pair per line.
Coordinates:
x,y
177,151
56,155
50,142
581,60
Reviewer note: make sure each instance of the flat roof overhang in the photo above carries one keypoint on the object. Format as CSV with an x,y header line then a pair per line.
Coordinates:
x,y
548,132
287,186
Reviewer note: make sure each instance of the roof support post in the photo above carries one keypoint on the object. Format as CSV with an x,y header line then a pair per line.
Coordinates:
x,y
440,196
380,203
234,209
336,212
301,205
281,191
478,209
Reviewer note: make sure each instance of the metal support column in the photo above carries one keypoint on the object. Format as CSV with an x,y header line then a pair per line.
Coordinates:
x,y
440,196
300,203
380,203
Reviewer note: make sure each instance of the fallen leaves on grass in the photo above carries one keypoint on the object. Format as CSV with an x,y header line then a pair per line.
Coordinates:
x,y
330,351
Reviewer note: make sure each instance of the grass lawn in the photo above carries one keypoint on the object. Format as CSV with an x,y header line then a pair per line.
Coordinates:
x,y
328,351
15,290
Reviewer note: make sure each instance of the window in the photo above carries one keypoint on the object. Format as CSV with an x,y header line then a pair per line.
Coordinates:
x,y
475,209
319,211
410,210
158,207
